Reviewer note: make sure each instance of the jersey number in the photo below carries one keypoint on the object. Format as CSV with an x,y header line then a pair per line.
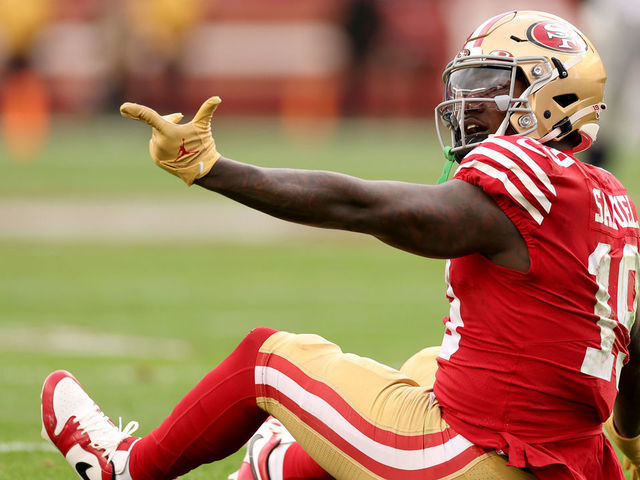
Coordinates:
x,y
599,362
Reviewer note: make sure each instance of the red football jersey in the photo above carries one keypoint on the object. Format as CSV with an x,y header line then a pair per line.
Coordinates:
x,y
534,358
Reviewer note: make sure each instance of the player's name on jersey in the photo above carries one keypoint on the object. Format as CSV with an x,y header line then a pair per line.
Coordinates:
x,y
614,211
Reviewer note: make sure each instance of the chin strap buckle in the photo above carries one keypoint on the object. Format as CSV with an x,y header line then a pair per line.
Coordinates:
x,y
565,125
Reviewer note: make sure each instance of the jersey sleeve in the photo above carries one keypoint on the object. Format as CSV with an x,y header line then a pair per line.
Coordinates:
x,y
515,173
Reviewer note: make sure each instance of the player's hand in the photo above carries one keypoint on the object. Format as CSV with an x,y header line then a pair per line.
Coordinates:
x,y
187,151
629,446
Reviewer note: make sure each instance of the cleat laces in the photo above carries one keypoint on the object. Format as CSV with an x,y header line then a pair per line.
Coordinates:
x,y
103,434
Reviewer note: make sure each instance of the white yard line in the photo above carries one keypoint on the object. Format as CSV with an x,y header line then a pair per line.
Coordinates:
x,y
84,342
11,447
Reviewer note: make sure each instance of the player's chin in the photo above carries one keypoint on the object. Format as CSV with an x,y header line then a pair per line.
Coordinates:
x,y
472,141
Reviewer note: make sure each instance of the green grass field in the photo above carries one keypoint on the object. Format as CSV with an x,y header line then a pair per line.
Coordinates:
x,y
144,321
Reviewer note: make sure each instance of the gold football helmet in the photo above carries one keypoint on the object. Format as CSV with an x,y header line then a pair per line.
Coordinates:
x,y
557,69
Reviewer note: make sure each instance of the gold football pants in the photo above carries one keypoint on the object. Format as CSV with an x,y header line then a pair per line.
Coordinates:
x,y
361,420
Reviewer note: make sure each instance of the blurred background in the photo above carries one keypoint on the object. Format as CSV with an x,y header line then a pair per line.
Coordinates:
x,y
287,59
276,57
116,271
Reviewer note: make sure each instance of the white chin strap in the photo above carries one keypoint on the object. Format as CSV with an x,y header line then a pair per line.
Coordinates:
x,y
583,112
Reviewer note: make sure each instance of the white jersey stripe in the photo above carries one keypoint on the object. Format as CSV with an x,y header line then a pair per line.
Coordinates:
x,y
408,460
451,340
526,180
531,163
510,187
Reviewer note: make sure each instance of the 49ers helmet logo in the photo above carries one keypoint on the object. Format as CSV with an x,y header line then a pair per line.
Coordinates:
x,y
556,36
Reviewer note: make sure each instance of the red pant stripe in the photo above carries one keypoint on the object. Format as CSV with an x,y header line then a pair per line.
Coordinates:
x,y
383,452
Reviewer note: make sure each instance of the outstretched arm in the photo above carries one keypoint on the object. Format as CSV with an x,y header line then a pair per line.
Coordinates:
x,y
444,221
441,221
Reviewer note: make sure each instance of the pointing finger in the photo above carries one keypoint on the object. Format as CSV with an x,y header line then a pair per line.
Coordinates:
x,y
203,117
142,114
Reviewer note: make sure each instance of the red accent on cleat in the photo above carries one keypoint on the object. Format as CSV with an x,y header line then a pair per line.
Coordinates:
x,y
269,436
89,441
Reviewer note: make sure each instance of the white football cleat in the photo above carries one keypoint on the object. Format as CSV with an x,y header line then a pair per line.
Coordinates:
x,y
270,442
89,441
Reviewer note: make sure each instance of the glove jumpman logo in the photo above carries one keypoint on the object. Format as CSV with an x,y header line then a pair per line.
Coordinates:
x,y
182,151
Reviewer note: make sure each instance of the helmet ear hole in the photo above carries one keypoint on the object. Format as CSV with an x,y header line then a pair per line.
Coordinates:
x,y
566,99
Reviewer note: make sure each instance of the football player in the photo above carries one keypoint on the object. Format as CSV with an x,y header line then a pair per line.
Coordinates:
x,y
539,348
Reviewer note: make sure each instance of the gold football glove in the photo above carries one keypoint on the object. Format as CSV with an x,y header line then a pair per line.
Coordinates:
x,y
629,446
187,151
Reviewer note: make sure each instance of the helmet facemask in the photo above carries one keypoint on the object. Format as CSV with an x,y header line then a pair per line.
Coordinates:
x,y
482,93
